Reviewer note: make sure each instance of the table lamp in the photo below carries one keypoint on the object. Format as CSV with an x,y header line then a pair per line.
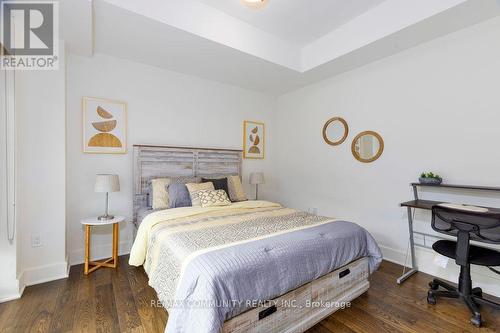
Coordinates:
x,y
106,184
256,178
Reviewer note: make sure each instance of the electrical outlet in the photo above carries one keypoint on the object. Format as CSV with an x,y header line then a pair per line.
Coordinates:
x,y
36,240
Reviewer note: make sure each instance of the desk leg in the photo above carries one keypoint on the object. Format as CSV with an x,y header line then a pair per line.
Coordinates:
x,y
87,249
414,268
115,244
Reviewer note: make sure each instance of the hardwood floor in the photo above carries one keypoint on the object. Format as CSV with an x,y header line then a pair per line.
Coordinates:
x,y
121,301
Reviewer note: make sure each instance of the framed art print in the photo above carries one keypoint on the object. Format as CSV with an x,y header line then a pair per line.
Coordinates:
x,y
253,139
104,126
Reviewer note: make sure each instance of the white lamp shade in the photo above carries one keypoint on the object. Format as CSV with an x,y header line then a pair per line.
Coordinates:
x,y
107,183
256,178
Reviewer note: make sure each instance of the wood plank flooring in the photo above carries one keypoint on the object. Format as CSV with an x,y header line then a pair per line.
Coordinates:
x,y
121,301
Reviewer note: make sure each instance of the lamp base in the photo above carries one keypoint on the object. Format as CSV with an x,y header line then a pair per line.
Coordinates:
x,y
105,217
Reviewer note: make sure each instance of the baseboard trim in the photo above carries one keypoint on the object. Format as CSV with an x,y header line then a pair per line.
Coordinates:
x,y
16,288
10,297
45,273
482,277
99,252
393,255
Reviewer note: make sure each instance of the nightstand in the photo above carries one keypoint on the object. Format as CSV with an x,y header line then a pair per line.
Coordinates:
x,y
91,266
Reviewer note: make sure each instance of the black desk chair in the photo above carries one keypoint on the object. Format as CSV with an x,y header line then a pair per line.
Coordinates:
x,y
466,226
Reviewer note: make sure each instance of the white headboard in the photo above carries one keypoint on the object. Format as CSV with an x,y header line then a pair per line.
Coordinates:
x,y
166,161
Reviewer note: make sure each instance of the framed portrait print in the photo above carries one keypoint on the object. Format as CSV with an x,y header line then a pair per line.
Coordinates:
x,y
104,126
253,139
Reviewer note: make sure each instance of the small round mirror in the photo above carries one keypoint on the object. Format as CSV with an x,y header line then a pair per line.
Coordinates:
x,y
367,146
335,131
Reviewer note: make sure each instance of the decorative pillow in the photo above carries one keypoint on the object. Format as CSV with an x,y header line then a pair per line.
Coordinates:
x,y
178,195
194,191
235,189
185,179
159,193
209,198
219,183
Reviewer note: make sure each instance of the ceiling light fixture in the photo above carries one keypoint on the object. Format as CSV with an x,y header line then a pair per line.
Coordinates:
x,y
255,4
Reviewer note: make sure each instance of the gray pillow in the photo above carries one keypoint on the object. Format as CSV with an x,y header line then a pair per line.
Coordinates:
x,y
184,179
178,195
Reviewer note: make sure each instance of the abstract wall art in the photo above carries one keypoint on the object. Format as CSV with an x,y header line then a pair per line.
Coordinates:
x,y
104,126
253,139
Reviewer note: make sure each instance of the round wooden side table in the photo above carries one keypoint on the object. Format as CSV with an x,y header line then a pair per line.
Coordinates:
x,y
91,266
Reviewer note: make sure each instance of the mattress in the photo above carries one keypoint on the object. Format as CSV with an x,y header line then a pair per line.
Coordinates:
x,y
210,264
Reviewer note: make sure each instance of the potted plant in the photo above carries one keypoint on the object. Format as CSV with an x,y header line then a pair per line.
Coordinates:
x,y
430,178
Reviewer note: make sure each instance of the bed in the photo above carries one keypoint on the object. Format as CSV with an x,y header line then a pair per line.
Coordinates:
x,y
252,266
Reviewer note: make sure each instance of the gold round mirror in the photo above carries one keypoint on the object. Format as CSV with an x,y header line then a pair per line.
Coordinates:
x,y
367,146
335,131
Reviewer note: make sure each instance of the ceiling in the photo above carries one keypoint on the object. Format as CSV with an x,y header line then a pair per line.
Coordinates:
x,y
205,38
296,21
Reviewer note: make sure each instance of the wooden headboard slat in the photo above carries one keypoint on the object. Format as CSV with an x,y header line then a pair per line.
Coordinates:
x,y
154,161
188,148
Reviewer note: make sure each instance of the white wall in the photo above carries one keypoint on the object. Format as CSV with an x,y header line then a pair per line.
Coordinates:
x,y
437,106
163,108
40,112
10,287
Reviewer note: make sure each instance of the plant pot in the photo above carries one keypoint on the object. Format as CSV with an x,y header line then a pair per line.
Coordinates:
x,y
430,181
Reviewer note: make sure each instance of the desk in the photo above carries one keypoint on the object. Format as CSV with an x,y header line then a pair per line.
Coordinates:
x,y
427,205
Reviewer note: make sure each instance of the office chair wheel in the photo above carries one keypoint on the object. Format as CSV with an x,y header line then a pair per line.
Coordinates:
x,y
477,292
476,320
434,285
431,299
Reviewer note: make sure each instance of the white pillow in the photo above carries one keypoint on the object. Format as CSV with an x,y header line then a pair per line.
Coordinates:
x,y
235,188
159,193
